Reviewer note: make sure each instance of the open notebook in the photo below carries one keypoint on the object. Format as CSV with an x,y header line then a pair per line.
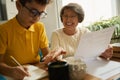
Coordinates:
x,y
35,72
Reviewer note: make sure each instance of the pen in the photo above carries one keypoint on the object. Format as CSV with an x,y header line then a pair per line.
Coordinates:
x,y
16,61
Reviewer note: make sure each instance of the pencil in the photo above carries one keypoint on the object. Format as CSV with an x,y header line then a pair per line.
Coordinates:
x,y
16,61
19,64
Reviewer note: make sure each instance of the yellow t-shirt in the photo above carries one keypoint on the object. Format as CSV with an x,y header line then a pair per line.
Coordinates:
x,y
23,44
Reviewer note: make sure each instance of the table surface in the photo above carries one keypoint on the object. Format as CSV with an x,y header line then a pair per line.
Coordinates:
x,y
91,77
87,77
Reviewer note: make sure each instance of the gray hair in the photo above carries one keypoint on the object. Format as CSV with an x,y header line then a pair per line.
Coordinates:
x,y
76,8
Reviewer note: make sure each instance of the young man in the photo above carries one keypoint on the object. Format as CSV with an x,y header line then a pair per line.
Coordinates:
x,y
22,37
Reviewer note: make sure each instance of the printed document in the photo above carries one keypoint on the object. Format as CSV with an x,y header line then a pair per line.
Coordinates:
x,y
92,44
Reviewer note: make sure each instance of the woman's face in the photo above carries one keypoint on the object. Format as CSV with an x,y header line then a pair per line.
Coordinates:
x,y
26,13
70,19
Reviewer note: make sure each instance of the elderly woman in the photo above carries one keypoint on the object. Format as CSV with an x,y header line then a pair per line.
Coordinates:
x,y
69,36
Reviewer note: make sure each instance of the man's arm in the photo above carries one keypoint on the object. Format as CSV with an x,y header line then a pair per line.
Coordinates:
x,y
12,71
4,69
52,55
45,51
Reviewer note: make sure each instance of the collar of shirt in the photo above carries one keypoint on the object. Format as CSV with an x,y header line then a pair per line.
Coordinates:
x,y
21,29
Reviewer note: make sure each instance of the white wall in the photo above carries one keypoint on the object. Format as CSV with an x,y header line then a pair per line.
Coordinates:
x,y
118,7
10,8
52,20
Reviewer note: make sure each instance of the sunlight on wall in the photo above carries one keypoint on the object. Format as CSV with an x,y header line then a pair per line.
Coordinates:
x,y
94,10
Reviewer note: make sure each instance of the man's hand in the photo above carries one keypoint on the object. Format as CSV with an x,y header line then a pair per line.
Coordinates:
x,y
52,56
18,73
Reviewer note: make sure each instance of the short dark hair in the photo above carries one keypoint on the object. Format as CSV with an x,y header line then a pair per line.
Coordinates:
x,y
42,2
76,8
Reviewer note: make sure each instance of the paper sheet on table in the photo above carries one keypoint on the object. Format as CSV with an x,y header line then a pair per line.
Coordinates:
x,y
93,44
102,68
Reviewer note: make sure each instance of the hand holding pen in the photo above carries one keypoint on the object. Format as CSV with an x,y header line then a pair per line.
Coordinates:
x,y
20,71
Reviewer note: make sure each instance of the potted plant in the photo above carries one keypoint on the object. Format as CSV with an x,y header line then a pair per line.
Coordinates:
x,y
114,21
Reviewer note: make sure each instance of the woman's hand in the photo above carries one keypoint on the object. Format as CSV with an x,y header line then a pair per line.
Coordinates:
x,y
18,73
52,56
107,54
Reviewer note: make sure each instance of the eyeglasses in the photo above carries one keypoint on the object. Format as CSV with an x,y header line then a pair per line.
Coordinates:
x,y
35,13
72,16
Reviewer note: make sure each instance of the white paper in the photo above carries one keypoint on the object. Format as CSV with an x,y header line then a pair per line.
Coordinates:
x,y
93,44
102,68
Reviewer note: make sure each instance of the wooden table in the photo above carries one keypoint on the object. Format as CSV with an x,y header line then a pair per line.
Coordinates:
x,y
87,77
91,77
116,52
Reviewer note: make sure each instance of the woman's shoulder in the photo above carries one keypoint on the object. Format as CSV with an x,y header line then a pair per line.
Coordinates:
x,y
59,30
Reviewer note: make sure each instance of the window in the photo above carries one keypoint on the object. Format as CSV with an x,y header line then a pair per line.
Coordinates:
x,y
94,10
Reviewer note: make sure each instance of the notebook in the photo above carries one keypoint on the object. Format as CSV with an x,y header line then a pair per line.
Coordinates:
x,y
35,72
